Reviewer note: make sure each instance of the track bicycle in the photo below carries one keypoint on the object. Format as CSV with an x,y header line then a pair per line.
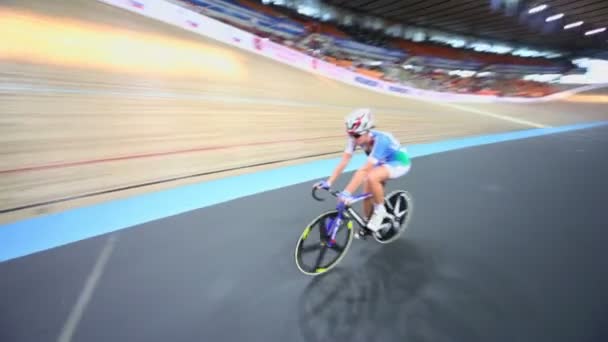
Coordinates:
x,y
328,226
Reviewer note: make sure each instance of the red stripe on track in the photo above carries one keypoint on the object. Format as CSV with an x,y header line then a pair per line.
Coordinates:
x,y
151,155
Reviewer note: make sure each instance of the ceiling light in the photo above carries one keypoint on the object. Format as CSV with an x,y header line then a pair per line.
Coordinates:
x,y
537,9
554,17
572,25
599,30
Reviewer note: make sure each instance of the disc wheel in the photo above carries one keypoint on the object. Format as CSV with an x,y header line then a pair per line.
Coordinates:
x,y
400,204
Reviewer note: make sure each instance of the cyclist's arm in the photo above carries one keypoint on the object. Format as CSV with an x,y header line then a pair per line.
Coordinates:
x,y
346,157
338,170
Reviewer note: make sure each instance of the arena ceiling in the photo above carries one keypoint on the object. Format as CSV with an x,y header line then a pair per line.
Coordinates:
x,y
536,23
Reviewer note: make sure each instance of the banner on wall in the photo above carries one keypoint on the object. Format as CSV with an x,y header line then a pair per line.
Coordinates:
x,y
396,89
219,31
327,69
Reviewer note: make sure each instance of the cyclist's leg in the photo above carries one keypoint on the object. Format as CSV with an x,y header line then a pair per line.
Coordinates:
x,y
368,202
376,179
375,182
397,170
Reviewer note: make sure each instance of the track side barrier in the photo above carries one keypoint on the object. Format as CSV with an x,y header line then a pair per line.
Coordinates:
x,y
189,20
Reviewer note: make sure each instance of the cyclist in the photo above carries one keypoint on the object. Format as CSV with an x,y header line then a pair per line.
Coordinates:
x,y
386,160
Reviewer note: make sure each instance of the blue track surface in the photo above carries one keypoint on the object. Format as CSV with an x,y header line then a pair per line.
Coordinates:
x,y
45,232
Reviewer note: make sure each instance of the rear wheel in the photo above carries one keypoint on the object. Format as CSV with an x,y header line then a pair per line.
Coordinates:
x,y
315,252
398,203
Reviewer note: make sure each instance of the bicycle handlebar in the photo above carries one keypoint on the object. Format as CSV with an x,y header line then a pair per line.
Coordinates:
x,y
337,193
320,199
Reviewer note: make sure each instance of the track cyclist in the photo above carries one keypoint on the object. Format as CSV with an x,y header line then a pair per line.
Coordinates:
x,y
386,160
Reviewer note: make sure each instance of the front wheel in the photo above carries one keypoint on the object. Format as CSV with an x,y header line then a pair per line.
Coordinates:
x,y
315,252
400,205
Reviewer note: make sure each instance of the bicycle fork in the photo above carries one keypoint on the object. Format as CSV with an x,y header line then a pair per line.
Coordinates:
x,y
331,230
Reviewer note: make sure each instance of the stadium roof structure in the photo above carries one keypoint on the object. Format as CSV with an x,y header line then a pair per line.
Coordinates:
x,y
575,27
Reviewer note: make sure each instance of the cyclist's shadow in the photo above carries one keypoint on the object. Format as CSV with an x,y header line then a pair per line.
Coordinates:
x,y
355,302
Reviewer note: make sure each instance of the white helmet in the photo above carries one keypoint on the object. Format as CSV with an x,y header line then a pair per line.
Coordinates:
x,y
359,121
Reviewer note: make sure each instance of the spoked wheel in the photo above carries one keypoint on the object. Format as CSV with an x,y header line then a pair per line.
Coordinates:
x,y
315,252
398,203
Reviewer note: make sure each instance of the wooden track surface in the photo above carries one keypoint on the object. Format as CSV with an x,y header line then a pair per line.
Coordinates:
x,y
72,130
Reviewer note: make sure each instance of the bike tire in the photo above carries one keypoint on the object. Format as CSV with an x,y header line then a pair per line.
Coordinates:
x,y
341,250
390,202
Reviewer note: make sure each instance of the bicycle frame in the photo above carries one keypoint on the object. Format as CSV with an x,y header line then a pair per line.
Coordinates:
x,y
333,228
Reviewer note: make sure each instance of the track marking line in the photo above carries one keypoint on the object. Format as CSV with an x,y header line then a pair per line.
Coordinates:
x,y
493,115
87,292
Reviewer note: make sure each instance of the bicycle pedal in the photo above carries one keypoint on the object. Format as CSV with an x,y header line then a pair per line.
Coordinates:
x,y
361,234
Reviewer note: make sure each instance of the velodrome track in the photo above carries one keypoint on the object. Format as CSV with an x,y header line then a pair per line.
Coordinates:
x,y
94,92
505,244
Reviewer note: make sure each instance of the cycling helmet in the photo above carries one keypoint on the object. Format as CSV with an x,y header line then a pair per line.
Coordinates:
x,y
359,121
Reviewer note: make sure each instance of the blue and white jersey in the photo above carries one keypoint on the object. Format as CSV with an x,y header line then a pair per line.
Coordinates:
x,y
386,149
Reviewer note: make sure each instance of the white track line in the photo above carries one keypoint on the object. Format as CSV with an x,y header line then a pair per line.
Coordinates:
x,y
11,89
493,115
87,292
136,92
